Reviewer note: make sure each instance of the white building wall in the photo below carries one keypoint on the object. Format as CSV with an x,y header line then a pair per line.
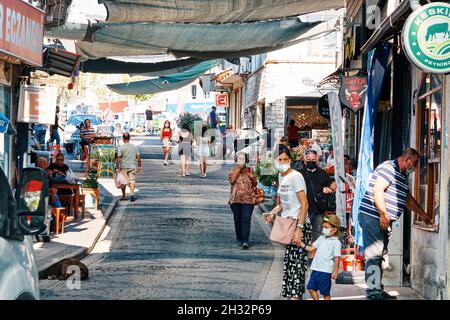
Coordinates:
x,y
429,249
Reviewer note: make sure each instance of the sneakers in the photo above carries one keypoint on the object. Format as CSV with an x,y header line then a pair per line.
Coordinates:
x,y
245,245
381,296
165,163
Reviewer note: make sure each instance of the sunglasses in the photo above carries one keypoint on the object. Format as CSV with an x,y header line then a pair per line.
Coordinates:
x,y
311,152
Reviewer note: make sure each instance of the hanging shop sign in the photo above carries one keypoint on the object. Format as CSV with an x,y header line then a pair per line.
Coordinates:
x,y
222,100
37,104
353,92
324,107
426,37
4,122
21,31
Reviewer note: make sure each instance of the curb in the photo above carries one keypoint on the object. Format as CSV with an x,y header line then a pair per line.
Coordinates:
x,y
82,253
271,289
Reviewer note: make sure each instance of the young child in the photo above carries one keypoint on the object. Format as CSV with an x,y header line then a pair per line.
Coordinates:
x,y
325,265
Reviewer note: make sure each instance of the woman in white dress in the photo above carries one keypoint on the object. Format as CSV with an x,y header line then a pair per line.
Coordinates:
x,y
203,150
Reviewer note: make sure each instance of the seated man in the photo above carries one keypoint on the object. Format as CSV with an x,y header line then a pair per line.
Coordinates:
x,y
54,199
87,134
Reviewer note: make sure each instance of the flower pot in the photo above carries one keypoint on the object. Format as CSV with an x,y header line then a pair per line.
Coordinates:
x,y
91,197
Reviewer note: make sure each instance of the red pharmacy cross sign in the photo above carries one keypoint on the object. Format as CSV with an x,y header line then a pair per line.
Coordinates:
x,y
222,100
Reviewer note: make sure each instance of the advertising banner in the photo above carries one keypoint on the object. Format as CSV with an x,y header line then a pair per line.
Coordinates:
x,y
21,31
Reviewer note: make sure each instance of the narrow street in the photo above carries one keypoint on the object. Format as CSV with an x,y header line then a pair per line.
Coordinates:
x,y
175,242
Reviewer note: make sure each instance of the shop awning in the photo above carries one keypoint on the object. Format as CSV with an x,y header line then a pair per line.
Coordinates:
x,y
389,26
112,66
212,11
166,83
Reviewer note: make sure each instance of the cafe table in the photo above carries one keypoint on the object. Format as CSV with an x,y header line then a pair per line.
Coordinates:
x,y
75,188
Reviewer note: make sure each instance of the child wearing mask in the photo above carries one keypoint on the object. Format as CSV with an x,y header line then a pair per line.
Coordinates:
x,y
325,265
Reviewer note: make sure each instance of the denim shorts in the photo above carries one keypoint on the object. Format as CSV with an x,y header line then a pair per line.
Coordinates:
x,y
320,281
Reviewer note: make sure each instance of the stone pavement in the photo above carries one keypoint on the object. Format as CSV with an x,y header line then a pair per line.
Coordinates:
x,y
79,237
177,242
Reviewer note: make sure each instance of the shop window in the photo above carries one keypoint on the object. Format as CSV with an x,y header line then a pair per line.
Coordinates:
x,y
429,143
5,100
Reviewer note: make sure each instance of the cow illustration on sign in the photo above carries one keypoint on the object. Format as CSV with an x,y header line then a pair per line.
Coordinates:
x,y
353,92
434,30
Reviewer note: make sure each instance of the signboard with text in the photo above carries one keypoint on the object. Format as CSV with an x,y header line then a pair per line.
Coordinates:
x,y
353,92
426,37
37,104
222,100
21,31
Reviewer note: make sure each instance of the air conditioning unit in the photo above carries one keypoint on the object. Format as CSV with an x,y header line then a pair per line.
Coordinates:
x,y
245,66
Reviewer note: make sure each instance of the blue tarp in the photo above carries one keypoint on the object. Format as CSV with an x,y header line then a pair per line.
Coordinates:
x,y
378,61
4,123
166,83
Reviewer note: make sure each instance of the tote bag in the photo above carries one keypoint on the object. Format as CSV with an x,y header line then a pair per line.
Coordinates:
x,y
283,230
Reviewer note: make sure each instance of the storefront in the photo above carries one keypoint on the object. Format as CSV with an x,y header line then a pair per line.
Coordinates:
x,y
20,47
412,113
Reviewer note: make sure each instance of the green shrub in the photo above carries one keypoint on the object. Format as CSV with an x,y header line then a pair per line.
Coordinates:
x,y
266,173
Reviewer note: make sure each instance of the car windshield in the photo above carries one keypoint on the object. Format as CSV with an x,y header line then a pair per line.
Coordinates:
x,y
76,120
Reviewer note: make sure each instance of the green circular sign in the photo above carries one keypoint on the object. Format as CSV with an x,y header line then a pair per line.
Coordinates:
x,y
426,37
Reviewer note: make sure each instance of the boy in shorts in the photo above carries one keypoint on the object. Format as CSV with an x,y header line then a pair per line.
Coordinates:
x,y
325,265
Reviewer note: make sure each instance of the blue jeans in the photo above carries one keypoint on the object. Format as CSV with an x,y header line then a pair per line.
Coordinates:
x,y
242,220
376,243
55,136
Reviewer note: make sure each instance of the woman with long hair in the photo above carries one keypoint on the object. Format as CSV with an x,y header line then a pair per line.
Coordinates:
x,y
292,203
184,148
203,150
166,139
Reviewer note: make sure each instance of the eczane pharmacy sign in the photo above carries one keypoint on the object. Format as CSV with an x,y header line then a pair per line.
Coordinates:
x,y
426,37
21,31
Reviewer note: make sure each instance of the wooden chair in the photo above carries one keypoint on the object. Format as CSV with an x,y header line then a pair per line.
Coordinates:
x,y
60,215
69,202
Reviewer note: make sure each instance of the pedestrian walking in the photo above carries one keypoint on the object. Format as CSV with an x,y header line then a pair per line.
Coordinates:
x,y
185,141
292,203
242,198
54,134
317,181
325,265
213,119
87,135
203,142
386,198
293,134
166,140
127,158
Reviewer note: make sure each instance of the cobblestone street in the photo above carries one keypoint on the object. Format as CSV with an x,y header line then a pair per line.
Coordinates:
x,y
175,242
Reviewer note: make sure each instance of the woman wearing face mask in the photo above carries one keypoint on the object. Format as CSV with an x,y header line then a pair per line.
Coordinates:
x,y
166,139
292,202
242,198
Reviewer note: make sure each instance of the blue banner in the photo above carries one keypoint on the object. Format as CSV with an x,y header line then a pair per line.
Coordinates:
x,y
4,122
377,63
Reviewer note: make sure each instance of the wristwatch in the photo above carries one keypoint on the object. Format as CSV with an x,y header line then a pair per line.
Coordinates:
x,y
300,225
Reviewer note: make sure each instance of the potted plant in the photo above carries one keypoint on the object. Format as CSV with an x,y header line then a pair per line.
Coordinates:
x,y
90,189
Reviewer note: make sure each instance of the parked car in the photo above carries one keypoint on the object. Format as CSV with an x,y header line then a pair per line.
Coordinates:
x,y
19,220
71,130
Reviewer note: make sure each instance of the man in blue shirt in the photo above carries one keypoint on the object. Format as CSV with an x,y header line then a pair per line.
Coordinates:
x,y
386,198
213,120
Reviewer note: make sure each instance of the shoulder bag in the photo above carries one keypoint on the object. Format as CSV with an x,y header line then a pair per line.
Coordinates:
x,y
325,202
283,230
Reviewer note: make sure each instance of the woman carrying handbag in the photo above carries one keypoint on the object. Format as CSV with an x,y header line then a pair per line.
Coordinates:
x,y
242,198
292,203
